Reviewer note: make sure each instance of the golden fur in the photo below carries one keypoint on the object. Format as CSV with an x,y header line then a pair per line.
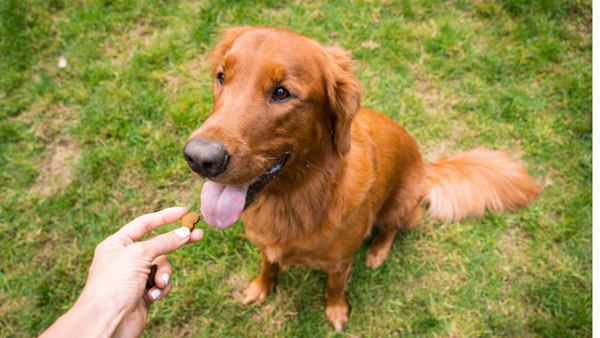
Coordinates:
x,y
351,168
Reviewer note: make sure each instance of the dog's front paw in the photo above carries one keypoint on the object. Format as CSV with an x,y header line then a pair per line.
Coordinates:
x,y
337,314
256,291
375,258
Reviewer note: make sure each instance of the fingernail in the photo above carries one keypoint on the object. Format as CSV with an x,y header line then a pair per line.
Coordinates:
x,y
165,277
182,232
155,294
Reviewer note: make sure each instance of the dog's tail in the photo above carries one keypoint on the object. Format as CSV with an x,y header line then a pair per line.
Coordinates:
x,y
465,184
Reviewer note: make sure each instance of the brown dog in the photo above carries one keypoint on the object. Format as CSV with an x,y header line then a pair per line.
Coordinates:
x,y
288,143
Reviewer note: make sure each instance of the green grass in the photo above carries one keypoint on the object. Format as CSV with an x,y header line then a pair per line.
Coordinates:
x,y
86,148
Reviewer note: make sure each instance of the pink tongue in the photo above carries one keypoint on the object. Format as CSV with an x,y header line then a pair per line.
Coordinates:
x,y
222,205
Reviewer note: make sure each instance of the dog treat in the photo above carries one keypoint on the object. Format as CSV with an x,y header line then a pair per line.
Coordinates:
x,y
189,220
150,282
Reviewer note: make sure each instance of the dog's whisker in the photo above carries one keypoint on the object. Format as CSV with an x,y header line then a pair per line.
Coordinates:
x,y
323,170
263,165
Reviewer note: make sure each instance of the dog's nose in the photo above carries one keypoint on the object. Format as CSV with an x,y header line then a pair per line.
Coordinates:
x,y
207,158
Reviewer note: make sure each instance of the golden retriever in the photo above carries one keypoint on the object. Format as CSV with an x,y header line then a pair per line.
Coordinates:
x,y
289,149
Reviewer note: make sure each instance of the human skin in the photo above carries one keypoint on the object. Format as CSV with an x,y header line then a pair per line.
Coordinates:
x,y
115,301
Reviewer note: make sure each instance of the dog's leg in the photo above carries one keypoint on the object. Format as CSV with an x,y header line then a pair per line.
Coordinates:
x,y
381,245
337,308
261,286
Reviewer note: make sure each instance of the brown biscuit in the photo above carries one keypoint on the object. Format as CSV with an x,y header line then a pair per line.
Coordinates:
x,y
189,220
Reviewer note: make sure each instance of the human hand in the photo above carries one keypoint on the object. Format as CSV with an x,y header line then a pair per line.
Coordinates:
x,y
115,293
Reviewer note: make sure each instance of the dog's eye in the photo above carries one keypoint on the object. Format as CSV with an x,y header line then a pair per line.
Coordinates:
x,y
220,79
281,94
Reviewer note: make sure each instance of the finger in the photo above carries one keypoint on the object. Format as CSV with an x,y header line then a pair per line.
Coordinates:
x,y
155,293
150,237
163,272
142,225
165,243
196,236
145,301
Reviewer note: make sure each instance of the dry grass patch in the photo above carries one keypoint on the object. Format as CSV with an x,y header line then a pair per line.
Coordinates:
x,y
47,122
432,150
180,331
121,48
193,75
512,243
238,282
56,171
9,305
432,97
51,124
273,315
173,83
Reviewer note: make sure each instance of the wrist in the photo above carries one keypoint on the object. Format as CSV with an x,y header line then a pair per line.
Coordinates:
x,y
106,313
89,317
86,319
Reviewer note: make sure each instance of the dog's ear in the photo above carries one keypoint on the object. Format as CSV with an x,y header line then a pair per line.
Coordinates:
x,y
344,92
229,37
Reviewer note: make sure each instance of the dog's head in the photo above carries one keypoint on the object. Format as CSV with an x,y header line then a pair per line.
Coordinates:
x,y
278,98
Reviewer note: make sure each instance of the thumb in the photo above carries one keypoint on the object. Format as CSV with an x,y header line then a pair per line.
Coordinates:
x,y
167,243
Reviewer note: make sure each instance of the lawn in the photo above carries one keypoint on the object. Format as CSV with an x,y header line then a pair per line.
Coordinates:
x,y
88,147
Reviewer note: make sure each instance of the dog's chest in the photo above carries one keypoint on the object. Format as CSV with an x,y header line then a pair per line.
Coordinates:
x,y
287,257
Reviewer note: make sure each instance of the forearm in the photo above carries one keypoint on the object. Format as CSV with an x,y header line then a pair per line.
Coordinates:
x,y
86,319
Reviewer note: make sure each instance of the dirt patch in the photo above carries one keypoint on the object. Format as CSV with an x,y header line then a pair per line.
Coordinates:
x,y
273,316
142,31
434,151
511,243
173,83
56,171
11,305
47,122
121,49
370,44
239,283
435,100
188,330
431,95
50,124
543,182
510,247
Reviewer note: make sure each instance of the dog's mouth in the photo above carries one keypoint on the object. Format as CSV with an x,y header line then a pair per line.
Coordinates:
x,y
222,204
266,178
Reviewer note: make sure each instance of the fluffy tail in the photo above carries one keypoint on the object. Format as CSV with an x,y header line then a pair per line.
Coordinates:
x,y
464,185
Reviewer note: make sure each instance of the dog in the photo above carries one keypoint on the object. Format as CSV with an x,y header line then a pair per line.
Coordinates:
x,y
289,149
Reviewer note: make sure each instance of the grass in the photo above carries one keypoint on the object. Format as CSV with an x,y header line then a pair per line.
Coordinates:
x,y
86,148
